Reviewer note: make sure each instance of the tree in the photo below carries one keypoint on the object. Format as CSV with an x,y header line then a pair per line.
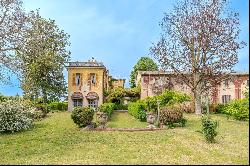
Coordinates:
x,y
13,24
199,44
144,64
43,56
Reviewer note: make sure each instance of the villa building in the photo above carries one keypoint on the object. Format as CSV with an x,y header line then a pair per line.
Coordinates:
x,y
87,82
154,82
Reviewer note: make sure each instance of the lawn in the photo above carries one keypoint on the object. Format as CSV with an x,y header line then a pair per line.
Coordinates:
x,y
124,120
57,140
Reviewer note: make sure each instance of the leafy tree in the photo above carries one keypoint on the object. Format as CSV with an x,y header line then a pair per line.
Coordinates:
x,y
199,44
13,24
43,56
144,64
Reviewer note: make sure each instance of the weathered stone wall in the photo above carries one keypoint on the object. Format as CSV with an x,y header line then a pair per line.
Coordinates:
x,y
153,84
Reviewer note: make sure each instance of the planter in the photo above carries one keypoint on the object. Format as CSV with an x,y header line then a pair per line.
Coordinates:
x,y
102,119
151,119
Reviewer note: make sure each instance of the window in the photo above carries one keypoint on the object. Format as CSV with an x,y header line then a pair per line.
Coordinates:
x,y
78,78
93,78
226,98
226,83
93,103
145,80
247,82
77,102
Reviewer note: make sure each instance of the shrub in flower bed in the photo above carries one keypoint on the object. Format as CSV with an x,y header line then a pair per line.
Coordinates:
x,y
14,116
171,115
108,108
137,109
82,116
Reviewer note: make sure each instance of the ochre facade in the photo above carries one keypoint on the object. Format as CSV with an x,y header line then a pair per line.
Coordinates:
x,y
87,82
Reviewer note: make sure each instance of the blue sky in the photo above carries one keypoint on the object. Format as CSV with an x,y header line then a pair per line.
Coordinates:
x,y
117,32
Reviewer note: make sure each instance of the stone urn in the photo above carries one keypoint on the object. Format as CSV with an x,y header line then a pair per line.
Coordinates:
x,y
102,119
151,119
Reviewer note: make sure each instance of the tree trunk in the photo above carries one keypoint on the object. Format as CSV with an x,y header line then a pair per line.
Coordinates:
x,y
197,95
197,102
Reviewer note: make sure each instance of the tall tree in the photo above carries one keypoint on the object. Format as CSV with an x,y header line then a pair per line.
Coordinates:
x,y
143,64
43,56
13,24
199,44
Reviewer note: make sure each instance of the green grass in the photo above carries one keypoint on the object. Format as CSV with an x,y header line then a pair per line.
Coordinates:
x,y
57,140
124,120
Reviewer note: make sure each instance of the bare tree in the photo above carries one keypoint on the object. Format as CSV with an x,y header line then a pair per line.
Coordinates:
x,y
199,44
12,27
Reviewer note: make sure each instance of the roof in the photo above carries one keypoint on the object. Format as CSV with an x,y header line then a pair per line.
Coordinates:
x,y
171,72
91,63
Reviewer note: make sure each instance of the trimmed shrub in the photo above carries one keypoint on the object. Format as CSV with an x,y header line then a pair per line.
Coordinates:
x,y
14,116
209,128
82,116
171,115
137,110
108,108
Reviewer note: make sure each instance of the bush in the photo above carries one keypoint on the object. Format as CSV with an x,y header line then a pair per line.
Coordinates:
x,y
219,108
187,107
118,106
43,108
150,104
209,128
239,109
108,108
60,106
82,116
169,97
137,110
14,116
171,115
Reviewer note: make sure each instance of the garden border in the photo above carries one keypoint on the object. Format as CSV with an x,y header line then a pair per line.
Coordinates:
x,y
125,129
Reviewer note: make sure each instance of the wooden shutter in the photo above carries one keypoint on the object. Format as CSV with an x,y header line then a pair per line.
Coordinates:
x,y
74,79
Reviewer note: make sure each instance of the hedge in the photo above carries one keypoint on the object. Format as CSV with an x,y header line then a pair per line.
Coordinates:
x,y
61,106
107,108
137,109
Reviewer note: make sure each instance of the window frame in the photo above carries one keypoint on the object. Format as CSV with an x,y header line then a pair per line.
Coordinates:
x,y
78,79
77,102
